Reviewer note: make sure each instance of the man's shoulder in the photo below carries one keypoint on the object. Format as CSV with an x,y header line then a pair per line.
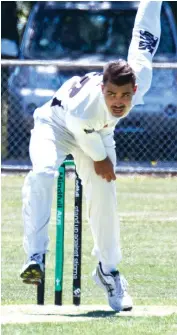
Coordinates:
x,y
87,88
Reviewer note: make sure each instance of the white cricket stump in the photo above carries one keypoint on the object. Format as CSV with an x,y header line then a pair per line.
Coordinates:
x,y
70,313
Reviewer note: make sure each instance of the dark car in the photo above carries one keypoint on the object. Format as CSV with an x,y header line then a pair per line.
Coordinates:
x,y
91,32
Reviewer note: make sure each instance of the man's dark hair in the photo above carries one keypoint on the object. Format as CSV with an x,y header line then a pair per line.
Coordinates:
x,y
118,73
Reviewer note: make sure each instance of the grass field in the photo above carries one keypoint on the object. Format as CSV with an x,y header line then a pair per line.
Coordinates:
x,y
148,215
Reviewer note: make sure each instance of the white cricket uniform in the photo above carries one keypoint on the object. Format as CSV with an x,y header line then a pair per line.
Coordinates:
x,y
84,127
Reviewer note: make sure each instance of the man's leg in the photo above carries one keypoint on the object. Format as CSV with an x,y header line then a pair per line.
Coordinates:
x,y
102,216
46,156
101,209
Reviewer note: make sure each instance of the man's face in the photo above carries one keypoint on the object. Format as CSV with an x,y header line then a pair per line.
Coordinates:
x,y
118,98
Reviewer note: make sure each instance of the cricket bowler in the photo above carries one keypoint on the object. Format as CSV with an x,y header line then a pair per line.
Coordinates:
x,y
80,120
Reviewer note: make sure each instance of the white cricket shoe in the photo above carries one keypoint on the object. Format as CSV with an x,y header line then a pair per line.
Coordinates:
x,y
33,271
115,285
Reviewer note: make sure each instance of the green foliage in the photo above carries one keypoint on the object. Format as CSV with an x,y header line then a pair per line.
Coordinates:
x,y
23,11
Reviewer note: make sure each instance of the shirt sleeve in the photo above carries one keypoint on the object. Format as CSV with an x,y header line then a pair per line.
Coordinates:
x,y
87,138
144,43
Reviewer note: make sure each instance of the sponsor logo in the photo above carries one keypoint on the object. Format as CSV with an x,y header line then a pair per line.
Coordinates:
x,y
147,41
56,102
89,131
57,281
59,217
77,292
77,189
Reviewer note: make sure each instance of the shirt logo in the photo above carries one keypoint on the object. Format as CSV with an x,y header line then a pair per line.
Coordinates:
x,y
56,102
89,131
147,41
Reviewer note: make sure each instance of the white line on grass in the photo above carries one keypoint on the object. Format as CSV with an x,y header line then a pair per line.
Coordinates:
x,y
69,313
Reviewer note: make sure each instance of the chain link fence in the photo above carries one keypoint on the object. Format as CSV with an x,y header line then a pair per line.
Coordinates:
x,y
147,136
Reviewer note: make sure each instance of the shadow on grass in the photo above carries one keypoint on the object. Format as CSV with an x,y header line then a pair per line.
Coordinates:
x,y
91,314
94,314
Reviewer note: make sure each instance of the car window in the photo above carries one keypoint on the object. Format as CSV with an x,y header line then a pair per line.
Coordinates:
x,y
166,45
55,34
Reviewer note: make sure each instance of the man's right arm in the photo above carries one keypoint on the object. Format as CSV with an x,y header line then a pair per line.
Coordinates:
x,y
92,145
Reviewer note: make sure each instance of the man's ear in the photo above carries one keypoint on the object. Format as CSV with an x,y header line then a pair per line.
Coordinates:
x,y
135,88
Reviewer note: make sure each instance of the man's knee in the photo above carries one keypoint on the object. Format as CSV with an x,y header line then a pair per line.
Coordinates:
x,y
38,180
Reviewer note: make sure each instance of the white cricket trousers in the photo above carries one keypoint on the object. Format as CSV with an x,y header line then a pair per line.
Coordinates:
x,y
47,155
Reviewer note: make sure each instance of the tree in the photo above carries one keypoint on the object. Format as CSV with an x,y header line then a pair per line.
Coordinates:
x,y
9,31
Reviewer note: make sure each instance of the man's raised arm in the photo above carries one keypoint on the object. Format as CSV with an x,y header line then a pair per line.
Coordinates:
x,y
144,43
